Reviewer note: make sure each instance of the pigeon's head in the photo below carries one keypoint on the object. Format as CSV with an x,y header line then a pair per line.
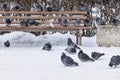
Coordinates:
x,y
80,52
63,54
69,41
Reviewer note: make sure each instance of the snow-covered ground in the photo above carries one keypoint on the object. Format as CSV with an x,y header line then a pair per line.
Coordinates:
x,y
25,59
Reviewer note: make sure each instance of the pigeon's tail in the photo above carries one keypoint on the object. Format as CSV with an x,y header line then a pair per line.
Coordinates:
x,y
78,47
91,59
76,64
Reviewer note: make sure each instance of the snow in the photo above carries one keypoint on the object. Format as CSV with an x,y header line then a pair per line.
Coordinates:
x,y
25,59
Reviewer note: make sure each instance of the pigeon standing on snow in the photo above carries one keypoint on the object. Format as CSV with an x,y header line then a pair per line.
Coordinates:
x,y
96,55
70,43
8,22
7,44
68,61
64,22
77,22
84,57
47,47
115,60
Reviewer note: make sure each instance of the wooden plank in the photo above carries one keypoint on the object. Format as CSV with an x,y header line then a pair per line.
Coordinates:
x,y
43,28
41,17
44,12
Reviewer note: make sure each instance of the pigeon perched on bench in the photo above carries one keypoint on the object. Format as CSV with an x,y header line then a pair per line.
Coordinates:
x,y
68,61
70,43
84,57
47,46
8,22
33,22
24,23
64,22
6,7
7,44
114,61
96,55
49,9
77,23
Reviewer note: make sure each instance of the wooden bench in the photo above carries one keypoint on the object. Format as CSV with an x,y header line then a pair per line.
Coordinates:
x,y
43,18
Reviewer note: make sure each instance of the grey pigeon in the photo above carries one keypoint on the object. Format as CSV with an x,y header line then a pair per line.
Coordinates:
x,y
33,22
39,7
64,22
6,7
17,7
84,57
114,61
96,55
68,61
71,50
7,44
24,23
47,46
55,7
49,9
70,43
100,21
115,22
8,22
77,22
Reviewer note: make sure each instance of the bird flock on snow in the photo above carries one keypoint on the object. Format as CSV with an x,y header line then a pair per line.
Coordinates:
x,y
82,56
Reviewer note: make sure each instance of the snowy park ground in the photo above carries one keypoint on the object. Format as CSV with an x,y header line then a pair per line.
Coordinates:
x,y
25,59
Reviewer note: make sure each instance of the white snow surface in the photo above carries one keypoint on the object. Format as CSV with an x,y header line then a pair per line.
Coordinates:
x,y
25,59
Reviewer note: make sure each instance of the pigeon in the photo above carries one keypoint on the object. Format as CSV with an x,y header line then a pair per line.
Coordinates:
x,y
39,7
100,21
55,7
33,22
51,25
96,55
84,57
24,23
68,61
114,61
115,22
8,22
7,44
6,7
83,6
17,7
70,43
87,22
77,22
71,50
64,22
47,46
49,9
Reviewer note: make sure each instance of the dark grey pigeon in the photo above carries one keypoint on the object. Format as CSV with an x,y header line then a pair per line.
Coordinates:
x,y
84,57
114,61
49,9
100,21
33,22
17,7
7,44
64,22
24,23
115,22
77,22
55,7
68,61
84,7
70,43
47,46
39,7
96,55
6,7
8,22
71,50
87,22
